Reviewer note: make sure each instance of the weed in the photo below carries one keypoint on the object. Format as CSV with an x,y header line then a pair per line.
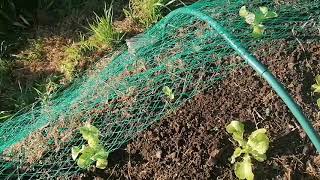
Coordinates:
x,y
73,55
103,36
256,146
68,65
256,19
35,51
46,90
145,12
103,32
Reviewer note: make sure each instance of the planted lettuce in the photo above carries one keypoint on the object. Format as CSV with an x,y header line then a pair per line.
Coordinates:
x,y
254,147
257,19
93,152
168,92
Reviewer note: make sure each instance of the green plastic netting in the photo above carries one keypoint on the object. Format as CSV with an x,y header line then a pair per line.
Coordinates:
x,y
124,96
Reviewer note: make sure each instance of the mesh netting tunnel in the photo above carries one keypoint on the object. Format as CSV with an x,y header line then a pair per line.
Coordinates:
x,y
124,97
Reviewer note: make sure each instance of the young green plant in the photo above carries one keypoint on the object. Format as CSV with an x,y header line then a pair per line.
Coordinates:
x,y
257,19
255,147
93,152
168,92
316,88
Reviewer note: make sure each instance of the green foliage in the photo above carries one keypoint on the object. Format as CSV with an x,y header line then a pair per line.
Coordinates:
x,y
34,52
145,12
257,19
93,152
47,89
168,92
103,31
73,55
103,36
68,65
316,88
256,146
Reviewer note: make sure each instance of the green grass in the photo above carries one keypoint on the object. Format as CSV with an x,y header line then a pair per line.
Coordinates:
x,y
103,32
35,51
21,49
103,36
147,12
73,56
46,89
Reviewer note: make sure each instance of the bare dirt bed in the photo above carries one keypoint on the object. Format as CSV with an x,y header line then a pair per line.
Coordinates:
x,y
193,143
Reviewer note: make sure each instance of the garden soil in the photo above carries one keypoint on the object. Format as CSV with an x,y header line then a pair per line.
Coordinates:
x,y
192,143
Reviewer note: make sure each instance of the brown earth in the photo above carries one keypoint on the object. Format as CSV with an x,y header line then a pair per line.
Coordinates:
x,y
193,143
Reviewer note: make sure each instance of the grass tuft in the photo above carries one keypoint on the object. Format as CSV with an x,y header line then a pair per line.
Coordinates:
x,y
104,36
68,65
145,12
103,32
34,52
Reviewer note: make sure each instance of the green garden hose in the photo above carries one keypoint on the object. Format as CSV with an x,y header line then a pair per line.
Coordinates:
x,y
258,67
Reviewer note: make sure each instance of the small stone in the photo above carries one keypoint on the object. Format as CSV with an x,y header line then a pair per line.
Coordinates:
x,y
305,150
267,112
158,154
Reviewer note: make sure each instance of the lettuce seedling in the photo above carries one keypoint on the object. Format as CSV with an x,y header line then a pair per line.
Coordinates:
x,y
316,88
256,19
93,152
255,147
168,92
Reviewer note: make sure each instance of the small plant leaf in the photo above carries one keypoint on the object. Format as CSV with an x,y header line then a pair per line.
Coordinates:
x,y
264,10
168,92
101,163
100,154
243,169
75,151
258,31
259,141
270,15
243,11
236,128
93,142
318,102
258,157
318,79
89,132
85,160
237,152
250,18
316,87
101,158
